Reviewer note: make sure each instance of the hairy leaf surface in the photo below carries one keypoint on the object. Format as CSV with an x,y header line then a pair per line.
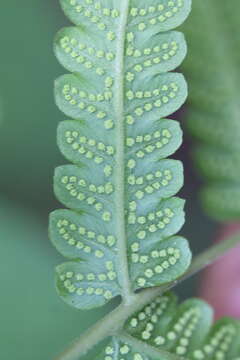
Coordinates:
x,y
120,232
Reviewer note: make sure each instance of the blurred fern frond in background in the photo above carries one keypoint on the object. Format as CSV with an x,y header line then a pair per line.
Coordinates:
x,y
213,73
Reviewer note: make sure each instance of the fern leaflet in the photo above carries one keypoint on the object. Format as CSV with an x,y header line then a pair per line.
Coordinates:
x,y
185,330
120,232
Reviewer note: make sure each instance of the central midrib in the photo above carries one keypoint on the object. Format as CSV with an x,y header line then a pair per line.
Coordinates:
x,y
123,270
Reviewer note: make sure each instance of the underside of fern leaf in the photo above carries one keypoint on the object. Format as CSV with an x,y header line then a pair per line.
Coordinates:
x,y
119,235
185,330
214,103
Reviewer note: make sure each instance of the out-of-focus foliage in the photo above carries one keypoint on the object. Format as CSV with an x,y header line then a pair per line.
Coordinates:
x,y
35,324
28,150
212,66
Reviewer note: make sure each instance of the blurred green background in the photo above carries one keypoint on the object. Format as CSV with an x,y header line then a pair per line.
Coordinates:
x,y
34,323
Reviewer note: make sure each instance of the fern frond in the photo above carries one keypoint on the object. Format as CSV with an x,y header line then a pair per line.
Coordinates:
x,y
213,67
120,232
184,330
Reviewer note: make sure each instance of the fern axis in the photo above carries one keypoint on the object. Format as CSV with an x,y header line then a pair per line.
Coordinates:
x,y
120,155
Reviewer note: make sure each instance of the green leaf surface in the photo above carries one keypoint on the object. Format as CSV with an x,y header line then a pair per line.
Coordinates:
x,y
189,326
184,331
178,329
221,342
149,323
120,349
120,233
79,285
156,16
